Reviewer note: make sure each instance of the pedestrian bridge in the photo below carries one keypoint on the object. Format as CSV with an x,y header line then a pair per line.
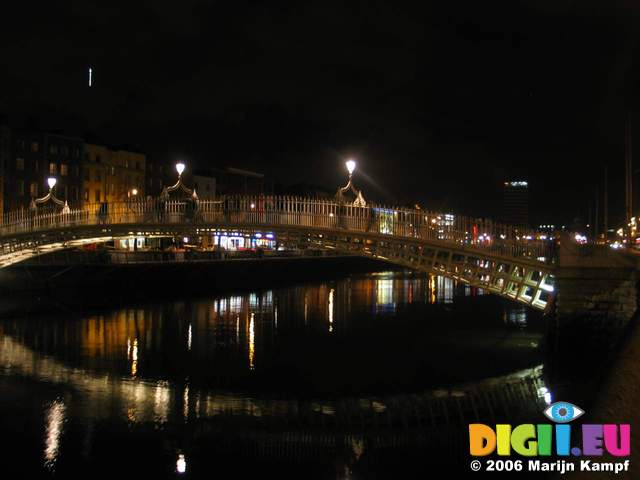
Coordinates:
x,y
498,258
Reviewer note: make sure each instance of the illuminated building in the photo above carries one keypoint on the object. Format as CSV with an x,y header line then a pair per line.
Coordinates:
x,y
112,174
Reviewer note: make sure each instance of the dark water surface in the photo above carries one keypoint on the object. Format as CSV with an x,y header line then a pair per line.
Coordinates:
x,y
366,376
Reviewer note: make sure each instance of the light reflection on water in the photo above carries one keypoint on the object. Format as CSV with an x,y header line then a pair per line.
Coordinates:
x,y
372,336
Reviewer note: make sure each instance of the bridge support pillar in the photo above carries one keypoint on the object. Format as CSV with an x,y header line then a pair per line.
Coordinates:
x,y
596,290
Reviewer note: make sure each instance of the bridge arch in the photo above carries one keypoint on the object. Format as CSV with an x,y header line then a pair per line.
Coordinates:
x,y
500,259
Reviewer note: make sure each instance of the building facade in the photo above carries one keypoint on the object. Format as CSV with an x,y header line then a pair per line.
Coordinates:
x,y
112,174
204,185
34,156
516,203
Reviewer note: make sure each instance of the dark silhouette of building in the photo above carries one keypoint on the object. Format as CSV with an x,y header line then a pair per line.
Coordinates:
x,y
516,203
33,156
235,181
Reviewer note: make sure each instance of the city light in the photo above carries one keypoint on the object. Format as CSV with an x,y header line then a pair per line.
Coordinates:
x,y
180,168
181,464
134,192
351,166
51,181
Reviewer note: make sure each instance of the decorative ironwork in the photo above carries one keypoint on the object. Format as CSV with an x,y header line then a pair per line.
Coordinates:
x,y
350,187
50,197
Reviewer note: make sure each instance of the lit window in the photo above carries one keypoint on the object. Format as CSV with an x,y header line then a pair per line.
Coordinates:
x,y
97,195
64,169
53,149
35,146
19,163
53,168
20,187
33,189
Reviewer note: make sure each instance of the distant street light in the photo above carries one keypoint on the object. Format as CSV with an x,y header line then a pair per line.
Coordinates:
x,y
51,181
134,192
180,168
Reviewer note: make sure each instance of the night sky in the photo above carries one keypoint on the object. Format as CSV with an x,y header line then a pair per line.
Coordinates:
x,y
440,103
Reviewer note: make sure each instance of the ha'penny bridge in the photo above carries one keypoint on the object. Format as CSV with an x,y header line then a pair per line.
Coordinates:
x,y
501,259
521,265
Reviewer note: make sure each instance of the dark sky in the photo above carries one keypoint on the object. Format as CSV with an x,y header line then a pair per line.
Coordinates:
x,y
439,103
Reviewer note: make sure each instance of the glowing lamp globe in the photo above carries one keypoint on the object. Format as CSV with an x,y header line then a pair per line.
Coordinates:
x,y
180,167
51,181
351,166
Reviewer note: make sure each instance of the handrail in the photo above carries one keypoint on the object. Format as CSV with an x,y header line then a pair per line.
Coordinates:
x,y
326,214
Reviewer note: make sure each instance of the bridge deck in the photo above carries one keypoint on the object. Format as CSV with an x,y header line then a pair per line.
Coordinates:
x,y
503,259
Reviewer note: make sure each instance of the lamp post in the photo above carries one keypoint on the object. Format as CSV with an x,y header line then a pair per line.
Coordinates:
x,y
180,168
50,197
359,200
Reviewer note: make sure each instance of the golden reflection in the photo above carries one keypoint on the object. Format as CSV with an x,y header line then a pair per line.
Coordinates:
x,y
189,336
432,289
331,293
53,432
252,343
132,355
185,403
161,406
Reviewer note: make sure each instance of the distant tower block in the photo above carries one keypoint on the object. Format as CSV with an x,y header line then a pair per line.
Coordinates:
x,y
516,203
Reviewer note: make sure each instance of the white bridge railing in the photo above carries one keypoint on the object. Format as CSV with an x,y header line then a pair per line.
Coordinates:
x,y
287,211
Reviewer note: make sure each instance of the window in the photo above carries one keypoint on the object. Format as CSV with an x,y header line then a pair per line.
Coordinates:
x,y
19,163
65,150
97,195
87,175
76,170
76,152
21,144
98,158
53,149
64,169
33,189
98,177
35,147
36,166
113,171
137,165
86,195
74,194
53,168
20,187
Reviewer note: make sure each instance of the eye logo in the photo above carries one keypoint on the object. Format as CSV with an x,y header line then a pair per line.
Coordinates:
x,y
563,412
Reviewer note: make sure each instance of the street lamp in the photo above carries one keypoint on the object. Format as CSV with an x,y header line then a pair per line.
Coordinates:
x,y
180,167
50,197
351,166
359,201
